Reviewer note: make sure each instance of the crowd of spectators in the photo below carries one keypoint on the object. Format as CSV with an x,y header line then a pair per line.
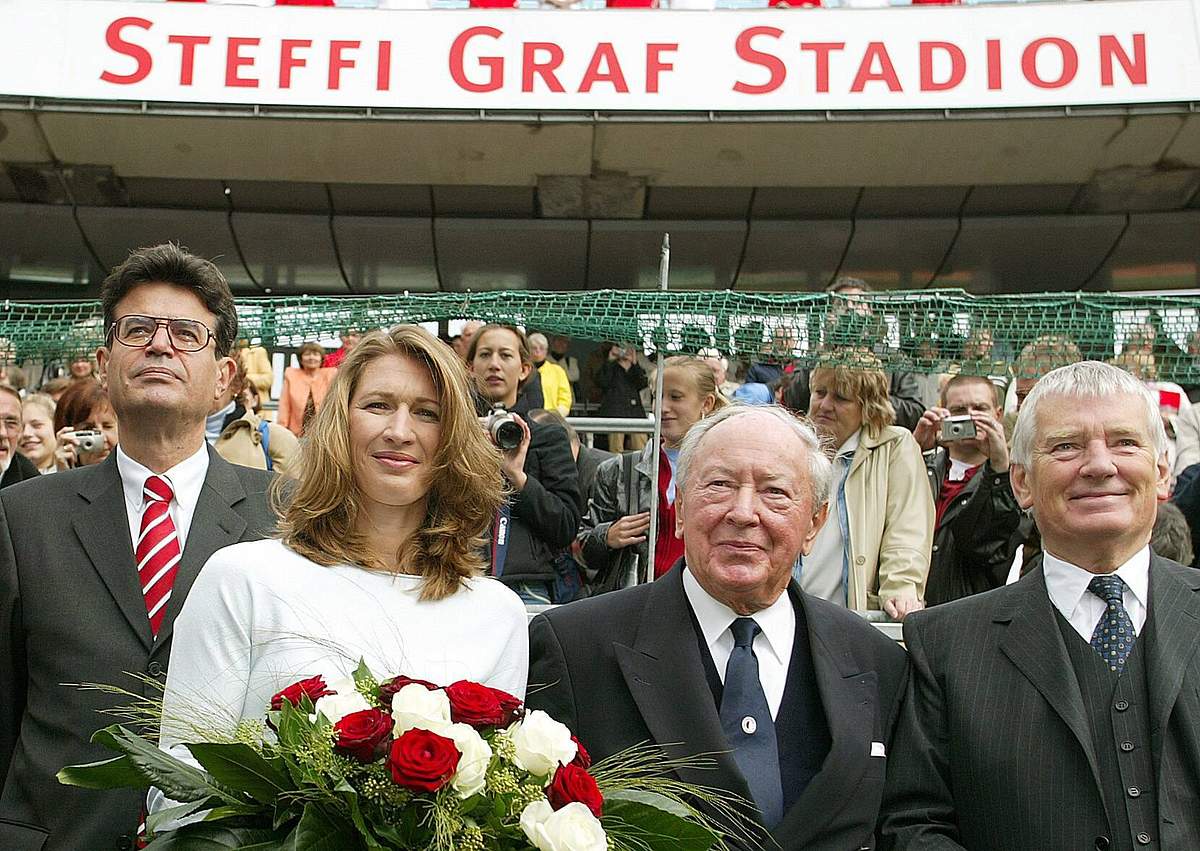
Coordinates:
x,y
921,508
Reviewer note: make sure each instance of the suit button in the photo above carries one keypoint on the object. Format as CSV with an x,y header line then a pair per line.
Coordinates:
x,y
935,548
1102,843
124,843
156,669
1127,746
1133,791
1143,839
1121,705
861,560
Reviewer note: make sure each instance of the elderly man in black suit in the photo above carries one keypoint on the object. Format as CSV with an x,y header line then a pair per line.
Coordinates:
x,y
725,655
1062,711
95,562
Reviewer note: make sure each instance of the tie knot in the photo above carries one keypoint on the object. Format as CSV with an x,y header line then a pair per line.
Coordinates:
x,y
1110,589
156,489
744,630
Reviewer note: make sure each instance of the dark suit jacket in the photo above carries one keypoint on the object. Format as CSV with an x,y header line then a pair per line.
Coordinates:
x,y
19,470
72,611
993,751
625,668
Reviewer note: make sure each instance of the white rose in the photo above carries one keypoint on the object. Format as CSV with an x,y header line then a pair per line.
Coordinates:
x,y
337,706
542,744
474,756
416,706
573,828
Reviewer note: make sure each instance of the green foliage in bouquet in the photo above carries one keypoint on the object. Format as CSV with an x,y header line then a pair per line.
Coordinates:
x,y
361,765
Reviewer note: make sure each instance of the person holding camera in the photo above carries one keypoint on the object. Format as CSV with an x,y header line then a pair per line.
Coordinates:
x,y
874,551
542,514
621,379
85,426
976,514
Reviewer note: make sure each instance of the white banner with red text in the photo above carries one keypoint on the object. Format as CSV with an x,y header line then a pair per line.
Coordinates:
x,y
900,58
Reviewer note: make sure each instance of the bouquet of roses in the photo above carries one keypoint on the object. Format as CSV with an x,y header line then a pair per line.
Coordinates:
x,y
404,764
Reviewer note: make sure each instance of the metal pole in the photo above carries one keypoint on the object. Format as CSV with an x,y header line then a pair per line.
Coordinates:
x,y
664,265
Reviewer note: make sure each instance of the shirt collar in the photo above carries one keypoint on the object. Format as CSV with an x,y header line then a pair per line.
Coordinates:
x,y
777,621
185,478
1066,583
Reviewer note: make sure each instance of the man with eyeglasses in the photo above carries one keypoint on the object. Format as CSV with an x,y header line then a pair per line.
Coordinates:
x,y
95,562
15,466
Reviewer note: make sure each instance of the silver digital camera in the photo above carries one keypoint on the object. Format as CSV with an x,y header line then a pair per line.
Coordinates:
x,y
89,440
958,428
505,431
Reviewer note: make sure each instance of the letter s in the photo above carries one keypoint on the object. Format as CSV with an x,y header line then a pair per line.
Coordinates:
x,y
139,54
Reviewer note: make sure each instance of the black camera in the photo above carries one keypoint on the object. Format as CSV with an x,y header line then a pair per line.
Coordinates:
x,y
506,432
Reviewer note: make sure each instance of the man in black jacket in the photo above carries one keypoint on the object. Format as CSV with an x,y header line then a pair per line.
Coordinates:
x,y
16,467
792,698
977,513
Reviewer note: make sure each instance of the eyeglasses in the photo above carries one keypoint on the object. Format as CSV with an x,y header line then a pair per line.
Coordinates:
x,y
186,335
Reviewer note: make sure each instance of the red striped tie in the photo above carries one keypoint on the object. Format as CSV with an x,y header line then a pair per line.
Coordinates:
x,y
157,550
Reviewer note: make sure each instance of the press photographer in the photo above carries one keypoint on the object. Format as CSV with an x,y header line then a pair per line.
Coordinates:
x,y
542,513
976,512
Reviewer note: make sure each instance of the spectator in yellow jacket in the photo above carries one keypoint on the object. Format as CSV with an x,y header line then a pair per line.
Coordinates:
x,y
556,386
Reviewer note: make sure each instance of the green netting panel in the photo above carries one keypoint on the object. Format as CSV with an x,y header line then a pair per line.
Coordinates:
x,y
919,330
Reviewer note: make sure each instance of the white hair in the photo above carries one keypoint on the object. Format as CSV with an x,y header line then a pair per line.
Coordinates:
x,y
820,468
538,339
1091,380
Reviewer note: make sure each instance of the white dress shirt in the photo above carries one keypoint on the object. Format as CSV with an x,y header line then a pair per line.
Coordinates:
x,y
772,646
1068,589
186,480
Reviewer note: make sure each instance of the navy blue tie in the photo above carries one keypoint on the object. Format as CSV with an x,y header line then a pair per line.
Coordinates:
x,y
1113,637
746,720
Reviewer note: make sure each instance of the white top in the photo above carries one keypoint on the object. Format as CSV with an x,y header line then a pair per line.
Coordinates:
x,y
821,570
772,646
1068,589
261,617
186,480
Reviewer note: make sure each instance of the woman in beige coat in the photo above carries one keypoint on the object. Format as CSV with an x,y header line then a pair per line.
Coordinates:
x,y
304,389
873,552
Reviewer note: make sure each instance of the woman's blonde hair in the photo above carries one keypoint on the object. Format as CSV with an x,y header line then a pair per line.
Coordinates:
x,y
320,509
863,382
702,378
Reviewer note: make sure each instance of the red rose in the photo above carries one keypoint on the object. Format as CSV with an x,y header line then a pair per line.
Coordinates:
x,y
313,687
509,705
583,759
471,703
388,688
363,735
422,761
572,783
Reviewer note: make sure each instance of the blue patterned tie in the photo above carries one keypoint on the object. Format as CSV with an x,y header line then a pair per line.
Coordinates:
x,y
746,720
1113,637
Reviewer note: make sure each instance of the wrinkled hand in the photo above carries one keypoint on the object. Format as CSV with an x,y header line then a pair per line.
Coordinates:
x,y
513,465
630,529
898,608
929,427
992,441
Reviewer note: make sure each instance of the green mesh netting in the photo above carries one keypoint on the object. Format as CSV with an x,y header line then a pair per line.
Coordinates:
x,y
918,330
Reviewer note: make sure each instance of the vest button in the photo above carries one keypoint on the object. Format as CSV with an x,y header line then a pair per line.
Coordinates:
x,y
1134,792
1127,746
1102,843
1121,705
749,725
1143,839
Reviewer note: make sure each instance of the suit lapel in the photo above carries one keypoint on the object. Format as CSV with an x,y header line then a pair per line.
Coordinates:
x,y
215,524
1175,613
849,698
103,530
1033,643
665,676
